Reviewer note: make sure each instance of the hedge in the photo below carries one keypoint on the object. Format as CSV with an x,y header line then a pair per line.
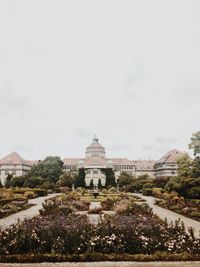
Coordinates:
x,y
92,257
40,192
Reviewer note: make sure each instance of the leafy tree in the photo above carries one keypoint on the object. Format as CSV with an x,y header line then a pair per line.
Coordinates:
x,y
34,182
8,180
196,167
174,184
195,143
50,168
99,184
184,164
124,179
91,184
80,178
67,179
110,177
18,181
1,184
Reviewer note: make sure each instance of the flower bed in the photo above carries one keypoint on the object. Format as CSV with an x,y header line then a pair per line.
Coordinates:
x,y
134,230
188,208
13,206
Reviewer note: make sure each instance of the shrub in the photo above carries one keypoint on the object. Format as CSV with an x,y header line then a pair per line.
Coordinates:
x,y
147,191
107,204
95,211
30,194
156,192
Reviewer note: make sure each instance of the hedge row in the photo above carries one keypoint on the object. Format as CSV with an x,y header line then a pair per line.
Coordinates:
x,y
38,191
92,257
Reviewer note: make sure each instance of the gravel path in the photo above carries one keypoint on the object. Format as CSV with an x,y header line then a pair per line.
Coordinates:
x,y
170,215
107,264
26,214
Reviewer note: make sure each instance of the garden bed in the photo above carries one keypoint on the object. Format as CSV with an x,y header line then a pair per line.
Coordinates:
x,y
59,234
188,208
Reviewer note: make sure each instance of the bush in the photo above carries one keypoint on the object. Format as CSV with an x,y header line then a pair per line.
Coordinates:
x,y
30,194
156,192
107,204
147,191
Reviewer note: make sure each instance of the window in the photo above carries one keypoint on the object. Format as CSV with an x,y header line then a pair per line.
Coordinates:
x,y
95,172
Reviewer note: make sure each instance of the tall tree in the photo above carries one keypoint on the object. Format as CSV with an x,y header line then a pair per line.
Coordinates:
x,y
67,179
195,143
184,164
110,177
50,168
80,178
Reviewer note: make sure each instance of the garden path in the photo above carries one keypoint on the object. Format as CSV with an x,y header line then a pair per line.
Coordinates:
x,y
170,215
26,214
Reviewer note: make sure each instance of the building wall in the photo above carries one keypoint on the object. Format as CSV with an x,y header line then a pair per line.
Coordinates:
x,y
15,170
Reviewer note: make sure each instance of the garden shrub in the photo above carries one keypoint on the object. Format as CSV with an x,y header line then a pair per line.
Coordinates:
x,y
147,191
156,192
30,194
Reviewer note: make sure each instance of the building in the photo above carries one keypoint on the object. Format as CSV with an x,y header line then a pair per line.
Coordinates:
x,y
166,166
14,165
95,162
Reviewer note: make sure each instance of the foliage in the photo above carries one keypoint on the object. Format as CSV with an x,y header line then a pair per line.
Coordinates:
x,y
8,180
107,204
50,168
110,177
30,194
91,184
99,184
98,257
66,179
124,179
133,230
184,164
195,143
33,182
180,205
196,167
80,178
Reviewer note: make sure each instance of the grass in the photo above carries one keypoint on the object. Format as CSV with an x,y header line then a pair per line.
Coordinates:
x,y
100,197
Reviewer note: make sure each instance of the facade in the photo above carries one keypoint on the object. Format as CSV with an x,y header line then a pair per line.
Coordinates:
x,y
15,165
95,162
166,166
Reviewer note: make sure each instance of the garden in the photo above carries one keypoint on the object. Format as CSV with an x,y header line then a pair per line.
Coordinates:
x,y
131,232
15,199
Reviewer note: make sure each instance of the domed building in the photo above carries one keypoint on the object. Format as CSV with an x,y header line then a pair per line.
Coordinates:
x,y
95,149
95,163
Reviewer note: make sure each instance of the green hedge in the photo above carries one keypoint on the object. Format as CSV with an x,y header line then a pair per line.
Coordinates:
x,y
38,191
147,191
91,257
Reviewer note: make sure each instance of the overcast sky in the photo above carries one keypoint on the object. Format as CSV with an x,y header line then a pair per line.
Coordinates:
x,y
128,71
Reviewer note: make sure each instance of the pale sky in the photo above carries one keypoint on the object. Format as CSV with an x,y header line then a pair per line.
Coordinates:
x,y
128,71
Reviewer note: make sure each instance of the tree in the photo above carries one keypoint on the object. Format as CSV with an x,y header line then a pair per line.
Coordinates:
x,y
184,164
110,177
99,184
18,181
124,179
80,178
8,180
50,168
196,167
195,143
34,182
91,184
67,179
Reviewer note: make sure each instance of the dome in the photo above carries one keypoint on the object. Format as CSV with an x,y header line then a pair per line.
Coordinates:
x,y
95,149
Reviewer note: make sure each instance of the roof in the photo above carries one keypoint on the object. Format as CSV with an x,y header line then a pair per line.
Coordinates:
x,y
170,157
72,161
145,164
95,162
15,159
95,144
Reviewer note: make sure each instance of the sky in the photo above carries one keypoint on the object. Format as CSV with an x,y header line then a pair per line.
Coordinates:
x,y
127,71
